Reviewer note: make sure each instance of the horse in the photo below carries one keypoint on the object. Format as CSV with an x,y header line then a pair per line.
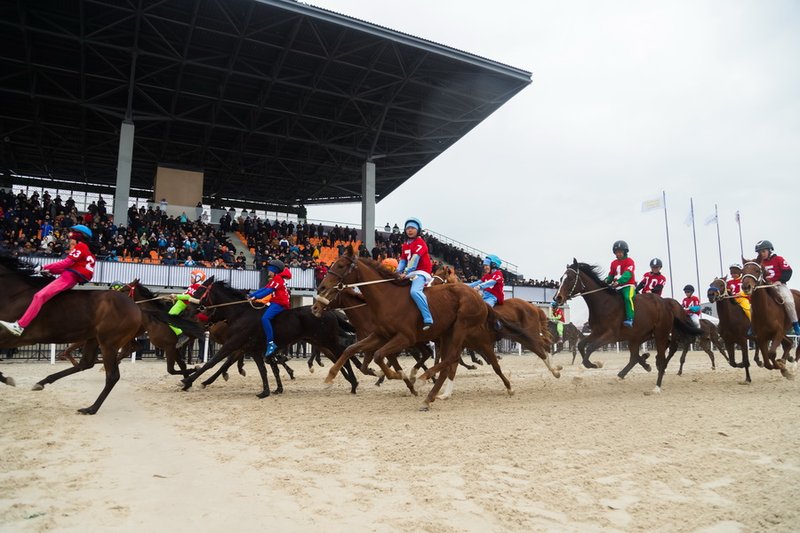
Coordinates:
x,y
456,308
708,340
769,319
654,319
733,325
156,321
245,333
104,320
355,307
572,335
523,314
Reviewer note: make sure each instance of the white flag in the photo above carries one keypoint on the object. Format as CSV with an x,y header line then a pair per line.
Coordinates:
x,y
689,218
711,219
654,203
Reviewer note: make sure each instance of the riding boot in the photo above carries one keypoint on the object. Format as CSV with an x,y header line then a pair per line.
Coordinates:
x,y
182,340
796,328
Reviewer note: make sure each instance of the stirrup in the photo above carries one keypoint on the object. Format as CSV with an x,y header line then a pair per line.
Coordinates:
x,y
628,323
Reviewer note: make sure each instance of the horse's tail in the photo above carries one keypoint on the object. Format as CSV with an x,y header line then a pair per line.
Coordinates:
x,y
686,327
189,327
543,325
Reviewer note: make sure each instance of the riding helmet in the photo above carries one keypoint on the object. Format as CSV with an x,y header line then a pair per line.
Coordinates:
x,y
554,304
197,276
620,245
413,222
276,266
764,245
116,285
656,262
80,229
737,266
688,288
492,261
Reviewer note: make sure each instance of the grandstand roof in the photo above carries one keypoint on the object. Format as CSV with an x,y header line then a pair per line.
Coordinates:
x,y
274,100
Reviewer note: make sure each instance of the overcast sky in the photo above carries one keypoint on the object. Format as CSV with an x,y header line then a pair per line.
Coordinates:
x,y
700,99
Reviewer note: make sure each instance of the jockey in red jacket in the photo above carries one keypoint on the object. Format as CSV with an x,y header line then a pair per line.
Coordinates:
x,y
491,284
77,267
276,286
777,272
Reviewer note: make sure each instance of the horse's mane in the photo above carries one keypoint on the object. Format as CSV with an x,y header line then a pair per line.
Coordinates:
x,y
227,289
594,272
22,267
384,272
147,294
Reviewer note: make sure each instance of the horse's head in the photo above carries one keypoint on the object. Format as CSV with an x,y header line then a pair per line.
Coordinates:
x,y
343,271
444,274
717,289
752,276
570,285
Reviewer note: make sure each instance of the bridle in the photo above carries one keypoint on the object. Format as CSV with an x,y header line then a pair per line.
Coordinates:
x,y
572,294
341,285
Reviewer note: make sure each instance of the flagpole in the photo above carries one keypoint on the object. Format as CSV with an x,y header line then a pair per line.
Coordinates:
x,y
719,241
669,252
694,238
739,223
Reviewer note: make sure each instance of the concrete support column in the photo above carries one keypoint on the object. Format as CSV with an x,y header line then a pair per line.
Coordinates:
x,y
124,162
368,205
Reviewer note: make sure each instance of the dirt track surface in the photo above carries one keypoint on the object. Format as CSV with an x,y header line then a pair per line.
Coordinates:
x,y
583,453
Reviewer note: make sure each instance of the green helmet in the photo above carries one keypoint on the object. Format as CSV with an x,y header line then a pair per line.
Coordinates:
x,y
116,286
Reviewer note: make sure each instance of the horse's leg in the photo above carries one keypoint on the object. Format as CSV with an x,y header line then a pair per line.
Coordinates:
x,y
705,345
465,365
633,349
683,358
425,354
487,351
350,375
7,380
662,341
310,361
382,377
474,358
172,357
276,372
240,365
262,371
112,376
221,371
451,348
87,361
592,343
232,345
370,343
395,364
288,371
394,345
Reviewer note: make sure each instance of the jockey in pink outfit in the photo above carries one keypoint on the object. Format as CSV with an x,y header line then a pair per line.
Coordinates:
x,y
77,267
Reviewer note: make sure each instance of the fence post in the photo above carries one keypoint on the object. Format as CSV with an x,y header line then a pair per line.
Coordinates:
x,y
52,354
207,337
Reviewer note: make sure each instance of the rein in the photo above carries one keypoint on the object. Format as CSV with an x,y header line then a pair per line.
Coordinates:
x,y
248,300
572,294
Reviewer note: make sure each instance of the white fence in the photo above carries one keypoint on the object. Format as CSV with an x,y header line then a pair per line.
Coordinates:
x,y
107,272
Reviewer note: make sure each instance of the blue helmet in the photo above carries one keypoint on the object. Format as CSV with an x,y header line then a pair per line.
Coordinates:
x,y
414,222
554,304
492,261
80,228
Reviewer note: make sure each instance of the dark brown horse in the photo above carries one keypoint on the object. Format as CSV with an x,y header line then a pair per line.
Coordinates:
x,y
104,320
769,317
733,325
456,310
706,342
654,318
572,336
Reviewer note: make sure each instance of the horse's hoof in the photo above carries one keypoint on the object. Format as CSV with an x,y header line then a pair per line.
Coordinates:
x,y
425,408
647,367
598,364
204,385
11,383
262,395
38,386
225,376
679,373
327,384
413,391
277,391
655,391
556,374
788,374
87,411
510,392
744,382
311,369
620,378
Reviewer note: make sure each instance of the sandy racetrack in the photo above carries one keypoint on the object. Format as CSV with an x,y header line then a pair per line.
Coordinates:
x,y
583,453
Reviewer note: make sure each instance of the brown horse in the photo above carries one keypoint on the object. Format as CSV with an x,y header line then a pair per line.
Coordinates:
x,y
654,318
523,314
359,315
104,320
572,336
456,310
709,340
769,318
733,325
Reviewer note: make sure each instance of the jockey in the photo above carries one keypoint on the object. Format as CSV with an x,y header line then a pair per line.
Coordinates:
x,y
77,267
734,287
277,273
491,284
777,272
559,319
196,279
691,304
415,263
653,281
621,276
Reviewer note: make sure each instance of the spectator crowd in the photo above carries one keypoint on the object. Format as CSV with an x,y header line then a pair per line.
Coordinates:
x,y
38,225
